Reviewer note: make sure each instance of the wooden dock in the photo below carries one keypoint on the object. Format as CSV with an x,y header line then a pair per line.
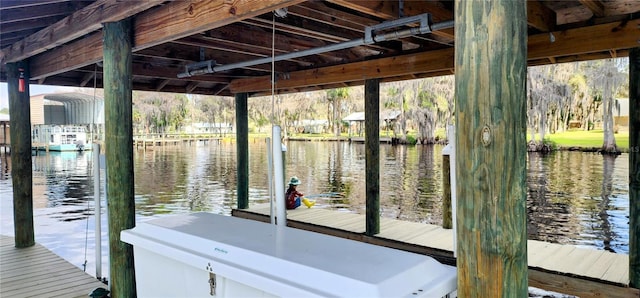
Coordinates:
x,y
555,267
155,142
37,272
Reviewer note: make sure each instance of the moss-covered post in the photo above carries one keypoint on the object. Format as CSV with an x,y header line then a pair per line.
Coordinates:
x,y
372,154
21,173
242,148
119,153
634,168
491,68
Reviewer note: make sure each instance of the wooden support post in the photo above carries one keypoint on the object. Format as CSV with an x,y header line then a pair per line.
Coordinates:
x,y
242,148
372,154
447,222
490,148
21,173
634,168
119,153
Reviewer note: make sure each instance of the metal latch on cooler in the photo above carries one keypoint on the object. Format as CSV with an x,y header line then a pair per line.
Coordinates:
x,y
212,283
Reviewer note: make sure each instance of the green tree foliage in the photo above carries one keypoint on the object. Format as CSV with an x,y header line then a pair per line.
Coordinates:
x,y
159,112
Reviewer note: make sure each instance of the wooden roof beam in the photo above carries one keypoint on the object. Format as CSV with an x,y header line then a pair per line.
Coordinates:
x,y
358,71
179,19
222,45
320,12
388,10
171,73
26,3
161,85
86,79
18,13
191,86
592,39
155,26
596,6
27,25
540,16
78,24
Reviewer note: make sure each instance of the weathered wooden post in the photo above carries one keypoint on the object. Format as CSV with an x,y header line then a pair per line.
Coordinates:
x,y
634,168
21,173
372,154
491,67
447,222
242,148
119,153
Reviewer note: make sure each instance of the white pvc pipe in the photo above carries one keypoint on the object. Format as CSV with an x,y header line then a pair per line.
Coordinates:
x,y
272,213
97,209
278,176
328,48
452,173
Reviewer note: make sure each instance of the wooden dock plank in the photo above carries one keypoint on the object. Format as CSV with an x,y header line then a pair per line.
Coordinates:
x,y
544,250
576,266
618,271
557,260
601,265
579,260
37,272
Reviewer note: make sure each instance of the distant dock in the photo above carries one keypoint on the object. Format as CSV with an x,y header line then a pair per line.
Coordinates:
x,y
159,140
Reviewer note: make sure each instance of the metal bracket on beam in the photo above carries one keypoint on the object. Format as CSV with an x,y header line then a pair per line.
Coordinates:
x,y
424,20
197,68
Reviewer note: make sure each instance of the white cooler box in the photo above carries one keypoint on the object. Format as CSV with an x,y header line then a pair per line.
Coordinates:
x,y
205,255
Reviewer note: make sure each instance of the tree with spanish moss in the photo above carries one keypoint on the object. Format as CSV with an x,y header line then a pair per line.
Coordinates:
x,y
605,78
335,98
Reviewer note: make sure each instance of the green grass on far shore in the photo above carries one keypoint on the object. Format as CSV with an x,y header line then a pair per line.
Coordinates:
x,y
571,138
586,139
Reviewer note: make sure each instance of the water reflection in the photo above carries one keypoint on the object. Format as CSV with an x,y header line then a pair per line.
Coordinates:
x,y
573,198
579,198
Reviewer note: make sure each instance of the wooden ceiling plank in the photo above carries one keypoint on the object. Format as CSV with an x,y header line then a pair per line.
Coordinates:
x,y
540,16
388,10
191,86
161,85
333,17
175,20
183,18
295,30
25,3
170,73
257,37
247,50
592,39
78,24
86,79
260,40
20,14
596,6
28,25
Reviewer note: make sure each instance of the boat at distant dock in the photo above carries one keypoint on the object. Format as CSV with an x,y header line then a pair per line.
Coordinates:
x,y
59,137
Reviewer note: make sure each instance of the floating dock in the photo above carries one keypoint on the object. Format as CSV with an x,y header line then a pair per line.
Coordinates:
x,y
37,272
561,268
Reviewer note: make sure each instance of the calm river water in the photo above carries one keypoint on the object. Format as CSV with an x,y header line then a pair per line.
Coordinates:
x,y
573,197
